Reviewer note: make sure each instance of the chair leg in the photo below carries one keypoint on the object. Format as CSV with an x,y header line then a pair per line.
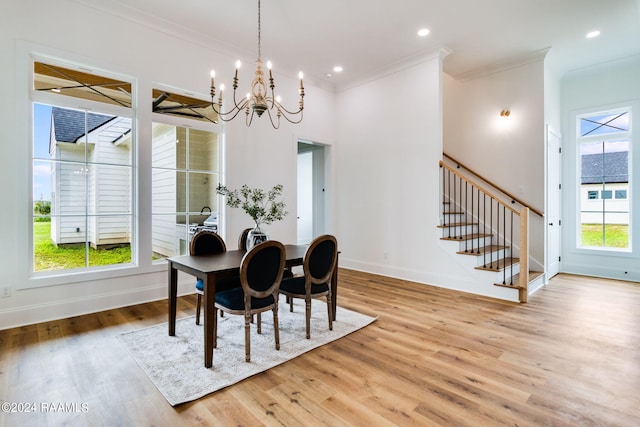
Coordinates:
x,y
276,327
290,300
198,304
215,327
247,337
307,303
330,311
259,322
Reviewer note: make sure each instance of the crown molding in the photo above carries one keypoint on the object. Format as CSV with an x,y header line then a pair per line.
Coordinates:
x,y
499,67
402,64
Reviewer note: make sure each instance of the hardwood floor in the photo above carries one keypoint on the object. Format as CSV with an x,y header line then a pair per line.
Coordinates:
x,y
569,357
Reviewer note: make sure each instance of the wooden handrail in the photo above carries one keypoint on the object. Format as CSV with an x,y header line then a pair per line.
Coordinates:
x,y
477,185
511,196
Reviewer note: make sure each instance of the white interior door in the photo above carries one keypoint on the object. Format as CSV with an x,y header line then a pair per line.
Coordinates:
x,y
305,197
552,214
311,191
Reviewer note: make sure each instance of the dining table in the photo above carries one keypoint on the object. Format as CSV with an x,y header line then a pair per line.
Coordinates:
x,y
211,267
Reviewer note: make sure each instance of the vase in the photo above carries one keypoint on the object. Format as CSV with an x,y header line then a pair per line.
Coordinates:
x,y
256,236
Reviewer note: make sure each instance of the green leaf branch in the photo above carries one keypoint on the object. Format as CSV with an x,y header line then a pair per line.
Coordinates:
x,y
259,204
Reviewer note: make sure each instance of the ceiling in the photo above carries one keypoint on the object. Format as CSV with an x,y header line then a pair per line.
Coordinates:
x,y
368,36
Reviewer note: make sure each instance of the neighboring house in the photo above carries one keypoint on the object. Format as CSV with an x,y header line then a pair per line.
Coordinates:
x,y
79,142
605,188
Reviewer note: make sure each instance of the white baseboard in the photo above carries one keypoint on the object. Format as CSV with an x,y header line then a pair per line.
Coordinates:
x,y
77,306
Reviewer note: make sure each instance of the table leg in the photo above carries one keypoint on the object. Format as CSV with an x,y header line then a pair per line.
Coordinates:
x,y
173,295
209,301
334,290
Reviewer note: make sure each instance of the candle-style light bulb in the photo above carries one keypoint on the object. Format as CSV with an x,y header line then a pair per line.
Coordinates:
x,y
220,96
235,77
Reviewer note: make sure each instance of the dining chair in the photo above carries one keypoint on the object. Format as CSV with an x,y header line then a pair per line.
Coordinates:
x,y
242,240
260,276
319,263
207,242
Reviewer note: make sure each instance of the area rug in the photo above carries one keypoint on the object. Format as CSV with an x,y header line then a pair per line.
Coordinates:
x,y
176,364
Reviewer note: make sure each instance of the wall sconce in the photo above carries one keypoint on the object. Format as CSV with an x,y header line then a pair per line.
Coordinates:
x,y
505,113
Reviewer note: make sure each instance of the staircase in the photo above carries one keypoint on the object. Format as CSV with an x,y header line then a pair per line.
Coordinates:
x,y
489,230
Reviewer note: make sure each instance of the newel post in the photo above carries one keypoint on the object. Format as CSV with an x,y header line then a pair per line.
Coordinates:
x,y
524,254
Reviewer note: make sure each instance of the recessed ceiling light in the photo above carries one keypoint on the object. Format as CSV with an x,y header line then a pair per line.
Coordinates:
x,y
337,69
593,34
424,32
329,75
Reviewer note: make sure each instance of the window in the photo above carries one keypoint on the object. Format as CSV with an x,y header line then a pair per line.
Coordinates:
x,y
82,170
604,144
621,194
185,167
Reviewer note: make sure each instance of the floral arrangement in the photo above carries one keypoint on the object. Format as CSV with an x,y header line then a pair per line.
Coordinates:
x,y
260,205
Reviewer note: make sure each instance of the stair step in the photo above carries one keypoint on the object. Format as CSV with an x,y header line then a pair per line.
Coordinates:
x,y
516,279
499,265
458,224
467,236
485,249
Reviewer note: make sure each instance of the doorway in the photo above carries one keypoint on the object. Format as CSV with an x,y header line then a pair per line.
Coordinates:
x,y
553,203
311,191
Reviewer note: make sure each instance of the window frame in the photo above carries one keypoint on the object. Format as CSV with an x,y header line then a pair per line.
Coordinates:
x,y
602,137
193,124
57,277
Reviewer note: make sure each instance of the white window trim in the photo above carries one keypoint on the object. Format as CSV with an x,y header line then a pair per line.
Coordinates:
x,y
577,140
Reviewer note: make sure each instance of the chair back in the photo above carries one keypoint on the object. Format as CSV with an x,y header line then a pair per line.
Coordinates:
x,y
320,259
206,242
242,240
262,268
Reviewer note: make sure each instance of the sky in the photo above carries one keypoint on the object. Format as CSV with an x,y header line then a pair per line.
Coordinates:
x,y
41,170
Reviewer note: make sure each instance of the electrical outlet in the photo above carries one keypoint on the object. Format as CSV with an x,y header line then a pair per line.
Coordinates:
x,y
5,292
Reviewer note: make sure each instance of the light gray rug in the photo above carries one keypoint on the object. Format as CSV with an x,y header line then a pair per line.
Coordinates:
x,y
176,364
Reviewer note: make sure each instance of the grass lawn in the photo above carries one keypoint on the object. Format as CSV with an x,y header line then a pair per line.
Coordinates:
x,y
48,256
616,235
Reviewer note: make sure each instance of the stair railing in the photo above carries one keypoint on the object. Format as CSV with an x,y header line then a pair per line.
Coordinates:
x,y
494,220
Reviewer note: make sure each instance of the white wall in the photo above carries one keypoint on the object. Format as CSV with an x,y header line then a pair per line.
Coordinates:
x,y
509,152
75,32
390,133
614,84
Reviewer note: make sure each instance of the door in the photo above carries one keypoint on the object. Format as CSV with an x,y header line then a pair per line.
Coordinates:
x,y
553,203
311,186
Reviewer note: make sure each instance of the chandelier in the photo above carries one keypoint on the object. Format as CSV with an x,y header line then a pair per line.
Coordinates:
x,y
261,96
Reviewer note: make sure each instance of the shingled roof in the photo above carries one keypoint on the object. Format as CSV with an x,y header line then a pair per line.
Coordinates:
x,y
68,125
607,167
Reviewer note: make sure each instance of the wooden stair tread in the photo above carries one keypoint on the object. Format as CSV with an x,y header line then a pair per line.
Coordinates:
x,y
485,249
516,279
499,265
457,224
466,236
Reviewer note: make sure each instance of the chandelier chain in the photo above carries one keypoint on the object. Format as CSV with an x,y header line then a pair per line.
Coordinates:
x,y
259,34
261,97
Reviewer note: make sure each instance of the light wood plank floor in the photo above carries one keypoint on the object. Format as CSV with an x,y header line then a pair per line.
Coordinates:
x,y
569,357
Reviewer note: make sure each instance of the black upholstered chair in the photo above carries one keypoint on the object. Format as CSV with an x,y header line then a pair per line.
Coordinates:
x,y
242,240
207,242
319,263
260,276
